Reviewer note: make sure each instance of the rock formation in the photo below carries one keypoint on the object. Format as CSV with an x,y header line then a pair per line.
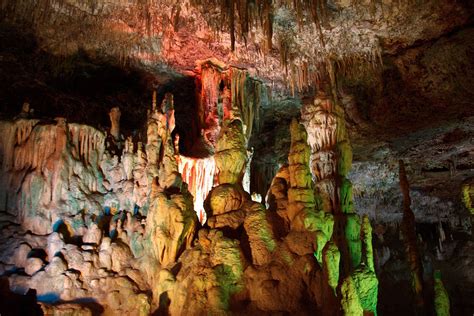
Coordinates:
x,y
111,206
408,231
342,236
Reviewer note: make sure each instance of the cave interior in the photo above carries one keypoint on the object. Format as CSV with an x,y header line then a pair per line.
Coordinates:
x,y
236,157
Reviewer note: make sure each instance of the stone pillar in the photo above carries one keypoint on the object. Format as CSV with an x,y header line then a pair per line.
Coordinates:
x,y
351,237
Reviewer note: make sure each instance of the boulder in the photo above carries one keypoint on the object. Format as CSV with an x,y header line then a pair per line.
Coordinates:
x,y
33,265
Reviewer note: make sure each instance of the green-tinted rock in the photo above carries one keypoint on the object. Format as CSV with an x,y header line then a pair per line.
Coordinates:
x,y
260,236
468,197
441,298
344,162
322,224
345,190
332,258
367,242
354,243
231,153
350,299
366,284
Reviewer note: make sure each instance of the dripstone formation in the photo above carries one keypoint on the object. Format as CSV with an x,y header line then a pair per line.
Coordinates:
x,y
92,216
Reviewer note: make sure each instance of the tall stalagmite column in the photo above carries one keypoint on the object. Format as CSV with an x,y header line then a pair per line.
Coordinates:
x,y
408,230
300,191
351,237
171,220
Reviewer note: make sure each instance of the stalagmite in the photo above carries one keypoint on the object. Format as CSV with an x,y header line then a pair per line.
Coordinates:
x,y
408,231
171,224
468,199
156,131
468,196
441,298
332,259
331,161
368,252
128,159
350,299
353,236
208,285
300,191
261,239
231,154
277,197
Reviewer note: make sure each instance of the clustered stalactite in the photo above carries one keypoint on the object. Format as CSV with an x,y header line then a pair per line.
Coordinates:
x,y
240,18
145,30
112,37
199,175
282,21
226,93
242,15
228,101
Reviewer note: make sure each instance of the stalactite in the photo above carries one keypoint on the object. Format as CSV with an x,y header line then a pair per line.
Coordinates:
x,y
227,93
198,173
408,231
89,143
14,134
210,79
246,98
231,9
